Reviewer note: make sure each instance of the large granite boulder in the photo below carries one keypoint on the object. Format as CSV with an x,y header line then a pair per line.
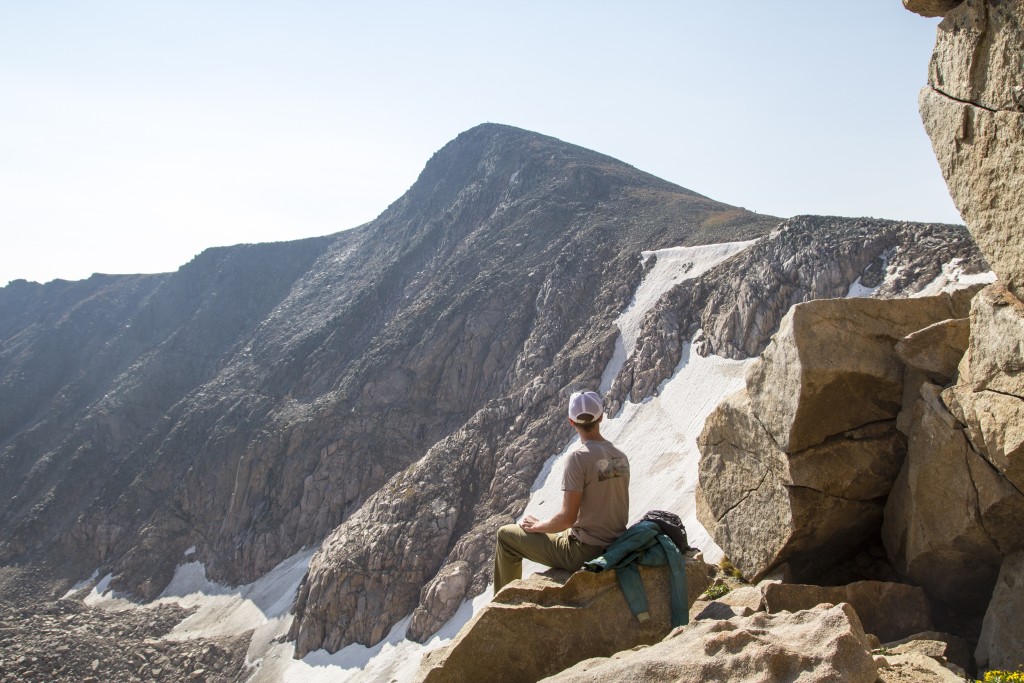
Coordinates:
x,y
937,349
997,341
935,529
547,622
994,423
809,509
890,611
945,648
832,366
1001,645
826,643
971,109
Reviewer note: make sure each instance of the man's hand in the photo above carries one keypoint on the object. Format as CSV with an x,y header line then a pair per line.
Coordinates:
x,y
562,520
529,522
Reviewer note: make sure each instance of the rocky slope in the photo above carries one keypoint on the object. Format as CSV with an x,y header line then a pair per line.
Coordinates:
x,y
47,639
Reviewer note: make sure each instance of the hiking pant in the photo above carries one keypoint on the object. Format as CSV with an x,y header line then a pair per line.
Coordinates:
x,y
561,550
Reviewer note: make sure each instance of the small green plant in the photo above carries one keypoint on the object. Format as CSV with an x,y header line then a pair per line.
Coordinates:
x,y
1003,677
730,569
716,592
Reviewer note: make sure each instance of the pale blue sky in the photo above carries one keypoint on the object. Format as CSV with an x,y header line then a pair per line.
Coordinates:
x,y
134,134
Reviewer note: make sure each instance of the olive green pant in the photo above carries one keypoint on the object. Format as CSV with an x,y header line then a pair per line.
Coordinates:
x,y
561,550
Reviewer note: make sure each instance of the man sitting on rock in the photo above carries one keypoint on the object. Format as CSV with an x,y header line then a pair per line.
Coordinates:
x,y
595,504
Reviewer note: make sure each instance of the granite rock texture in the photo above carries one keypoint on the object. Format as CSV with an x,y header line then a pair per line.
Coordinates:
x,y
972,109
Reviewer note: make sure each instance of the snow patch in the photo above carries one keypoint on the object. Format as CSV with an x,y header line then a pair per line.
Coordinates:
x,y
673,265
104,597
953,278
857,290
84,583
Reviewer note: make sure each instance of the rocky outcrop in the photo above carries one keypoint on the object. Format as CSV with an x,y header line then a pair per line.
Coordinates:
x,y
803,391
796,468
826,643
933,526
954,511
547,622
988,400
971,109
936,350
765,508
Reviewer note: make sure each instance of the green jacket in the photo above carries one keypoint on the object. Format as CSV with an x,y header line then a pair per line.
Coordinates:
x,y
644,544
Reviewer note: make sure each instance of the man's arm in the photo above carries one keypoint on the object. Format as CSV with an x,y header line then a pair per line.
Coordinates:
x,y
562,520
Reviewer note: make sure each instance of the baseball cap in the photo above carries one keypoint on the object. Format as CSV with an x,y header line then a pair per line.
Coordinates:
x,y
585,402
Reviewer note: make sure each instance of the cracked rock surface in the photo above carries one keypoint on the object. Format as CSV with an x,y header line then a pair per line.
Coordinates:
x,y
972,109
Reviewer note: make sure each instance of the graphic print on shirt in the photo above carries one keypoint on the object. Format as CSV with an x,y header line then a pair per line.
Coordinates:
x,y
610,469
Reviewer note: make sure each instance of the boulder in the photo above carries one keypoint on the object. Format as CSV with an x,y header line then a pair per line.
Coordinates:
x,y
739,602
442,596
971,109
809,509
994,423
826,643
933,529
997,341
541,625
931,8
914,667
803,391
944,648
1000,505
913,380
937,349
888,610
1001,645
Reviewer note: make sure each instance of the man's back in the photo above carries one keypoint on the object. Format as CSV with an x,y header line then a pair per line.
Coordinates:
x,y
601,472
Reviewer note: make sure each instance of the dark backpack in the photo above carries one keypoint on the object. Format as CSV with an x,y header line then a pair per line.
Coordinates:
x,y
671,526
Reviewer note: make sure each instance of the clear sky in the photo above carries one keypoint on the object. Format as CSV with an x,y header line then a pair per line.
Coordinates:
x,y
134,134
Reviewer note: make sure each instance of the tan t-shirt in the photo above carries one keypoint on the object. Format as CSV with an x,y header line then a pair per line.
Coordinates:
x,y
601,472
